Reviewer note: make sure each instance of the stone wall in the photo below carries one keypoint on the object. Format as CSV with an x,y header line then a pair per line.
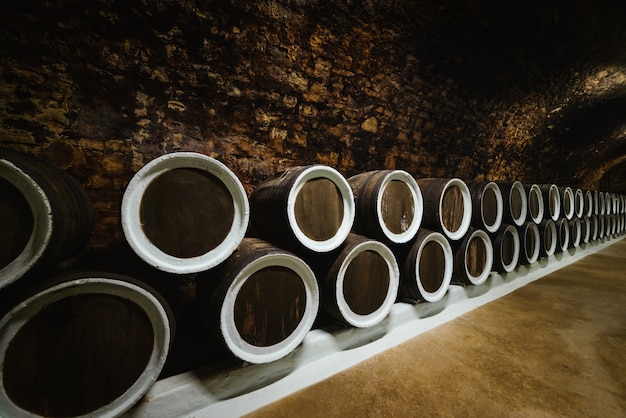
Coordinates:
x,y
477,91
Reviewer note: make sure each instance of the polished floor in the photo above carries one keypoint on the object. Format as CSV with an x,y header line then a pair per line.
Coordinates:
x,y
553,348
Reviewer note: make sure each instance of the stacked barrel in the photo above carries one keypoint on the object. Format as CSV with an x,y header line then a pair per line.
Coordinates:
x,y
306,243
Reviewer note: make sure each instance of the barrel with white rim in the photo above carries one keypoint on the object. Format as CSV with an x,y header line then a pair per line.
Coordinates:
x,y
91,345
515,202
473,258
551,200
563,235
535,203
184,212
46,215
585,224
579,203
530,242
261,302
567,202
487,205
447,206
549,240
388,205
360,284
426,271
506,249
304,207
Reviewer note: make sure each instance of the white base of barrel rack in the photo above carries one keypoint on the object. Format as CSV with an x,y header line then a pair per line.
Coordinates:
x,y
325,352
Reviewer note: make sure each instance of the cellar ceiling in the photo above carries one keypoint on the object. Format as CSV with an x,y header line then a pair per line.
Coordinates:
x,y
534,91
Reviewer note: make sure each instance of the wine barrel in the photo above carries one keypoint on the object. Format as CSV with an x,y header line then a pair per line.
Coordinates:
x,y
358,282
447,206
596,202
184,212
91,345
515,202
601,203
567,202
575,233
601,226
473,258
506,249
487,205
535,203
588,203
426,271
309,207
594,228
260,302
530,242
579,203
388,205
608,202
46,215
585,224
551,200
548,232
563,232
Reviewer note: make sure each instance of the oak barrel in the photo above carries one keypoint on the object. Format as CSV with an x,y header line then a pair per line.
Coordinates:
x,y
551,201
585,224
575,233
588,203
579,203
506,249
601,226
487,205
535,203
426,271
91,345
358,282
447,206
46,215
563,235
530,243
473,258
549,239
388,205
594,228
184,212
309,207
260,302
601,204
515,202
567,202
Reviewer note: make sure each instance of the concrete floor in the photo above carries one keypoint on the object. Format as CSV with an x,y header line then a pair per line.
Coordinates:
x,y
554,348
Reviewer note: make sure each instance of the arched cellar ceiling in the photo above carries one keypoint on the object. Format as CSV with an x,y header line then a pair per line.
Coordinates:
x,y
479,90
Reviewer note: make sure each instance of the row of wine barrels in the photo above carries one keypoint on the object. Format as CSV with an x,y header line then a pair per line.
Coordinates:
x,y
91,344
506,248
447,206
46,215
548,233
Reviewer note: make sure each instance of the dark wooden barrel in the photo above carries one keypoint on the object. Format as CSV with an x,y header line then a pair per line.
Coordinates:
x,y
506,249
601,226
473,258
447,206
184,212
579,203
530,243
596,201
551,201
358,282
588,203
594,228
608,202
601,204
426,270
308,207
388,205
260,302
487,205
567,202
585,224
549,239
515,202
91,345
535,203
46,215
562,234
